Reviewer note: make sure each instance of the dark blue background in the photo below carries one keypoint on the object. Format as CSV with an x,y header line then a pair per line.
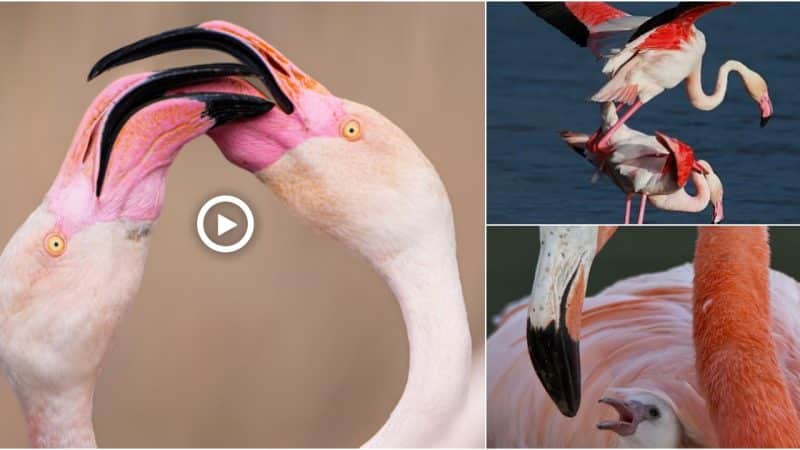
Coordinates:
x,y
538,82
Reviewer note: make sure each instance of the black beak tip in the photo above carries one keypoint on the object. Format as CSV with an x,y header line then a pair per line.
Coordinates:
x,y
94,73
764,121
556,360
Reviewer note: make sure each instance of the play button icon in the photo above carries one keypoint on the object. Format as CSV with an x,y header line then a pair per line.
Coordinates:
x,y
225,224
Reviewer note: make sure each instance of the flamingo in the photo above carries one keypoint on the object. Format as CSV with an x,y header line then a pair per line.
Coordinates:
x,y
656,167
750,401
638,345
70,271
645,55
621,327
356,176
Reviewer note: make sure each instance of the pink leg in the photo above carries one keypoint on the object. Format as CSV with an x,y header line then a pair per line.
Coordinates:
x,y
619,106
604,140
628,209
641,209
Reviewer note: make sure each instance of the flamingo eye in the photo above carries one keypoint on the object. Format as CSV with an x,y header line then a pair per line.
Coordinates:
x,y
654,413
55,244
351,130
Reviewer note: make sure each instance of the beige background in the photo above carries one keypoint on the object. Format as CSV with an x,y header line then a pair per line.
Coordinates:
x,y
294,341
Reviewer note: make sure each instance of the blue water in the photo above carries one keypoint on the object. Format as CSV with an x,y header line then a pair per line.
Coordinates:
x,y
538,81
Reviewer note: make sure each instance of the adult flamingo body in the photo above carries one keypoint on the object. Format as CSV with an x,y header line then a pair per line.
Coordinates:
x,y
645,56
355,175
71,269
656,167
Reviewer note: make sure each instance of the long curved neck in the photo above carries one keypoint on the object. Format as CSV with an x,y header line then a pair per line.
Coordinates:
x,y
736,357
61,419
694,85
680,200
427,285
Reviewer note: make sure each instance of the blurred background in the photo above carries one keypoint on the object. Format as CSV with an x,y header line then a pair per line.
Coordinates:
x,y
512,253
537,85
293,341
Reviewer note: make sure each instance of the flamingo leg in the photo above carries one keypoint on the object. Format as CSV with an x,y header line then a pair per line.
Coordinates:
x,y
641,209
628,208
606,137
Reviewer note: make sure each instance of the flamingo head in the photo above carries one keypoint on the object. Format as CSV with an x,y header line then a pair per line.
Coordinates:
x,y
68,272
715,188
646,418
343,166
554,313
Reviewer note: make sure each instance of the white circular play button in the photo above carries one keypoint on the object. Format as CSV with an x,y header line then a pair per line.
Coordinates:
x,y
220,224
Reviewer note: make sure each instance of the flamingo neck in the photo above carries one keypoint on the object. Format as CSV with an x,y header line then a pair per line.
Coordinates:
x,y
61,419
681,200
737,364
427,285
694,84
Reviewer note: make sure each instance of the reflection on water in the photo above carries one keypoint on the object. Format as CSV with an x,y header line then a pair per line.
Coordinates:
x,y
538,82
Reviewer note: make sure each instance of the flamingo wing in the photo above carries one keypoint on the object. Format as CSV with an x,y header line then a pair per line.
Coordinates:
x,y
671,28
574,19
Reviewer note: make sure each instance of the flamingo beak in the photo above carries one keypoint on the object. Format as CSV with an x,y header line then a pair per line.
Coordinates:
x,y
766,109
631,413
553,329
718,214
200,36
220,107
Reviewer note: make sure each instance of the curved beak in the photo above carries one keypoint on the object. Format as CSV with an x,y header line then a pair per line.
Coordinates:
x,y
156,86
766,109
554,314
718,214
270,66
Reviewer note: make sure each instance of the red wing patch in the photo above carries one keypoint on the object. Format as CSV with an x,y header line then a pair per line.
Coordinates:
x,y
669,36
593,13
684,161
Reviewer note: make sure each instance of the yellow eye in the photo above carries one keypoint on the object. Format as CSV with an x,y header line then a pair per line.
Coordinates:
x,y
55,244
351,130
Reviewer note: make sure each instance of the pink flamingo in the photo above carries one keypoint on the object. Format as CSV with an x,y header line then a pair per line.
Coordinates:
x,y
656,167
72,268
645,55
356,176
639,353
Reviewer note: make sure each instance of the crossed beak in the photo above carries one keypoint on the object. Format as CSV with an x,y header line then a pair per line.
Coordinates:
x,y
219,107
766,109
283,80
554,314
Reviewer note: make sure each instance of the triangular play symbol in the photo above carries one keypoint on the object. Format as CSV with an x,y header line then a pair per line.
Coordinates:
x,y
224,225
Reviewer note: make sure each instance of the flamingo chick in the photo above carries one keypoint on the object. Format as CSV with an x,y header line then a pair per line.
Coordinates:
x,y
356,176
70,271
646,420
644,56
655,167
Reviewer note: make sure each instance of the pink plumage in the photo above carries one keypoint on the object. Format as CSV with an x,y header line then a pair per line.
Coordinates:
x,y
636,333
